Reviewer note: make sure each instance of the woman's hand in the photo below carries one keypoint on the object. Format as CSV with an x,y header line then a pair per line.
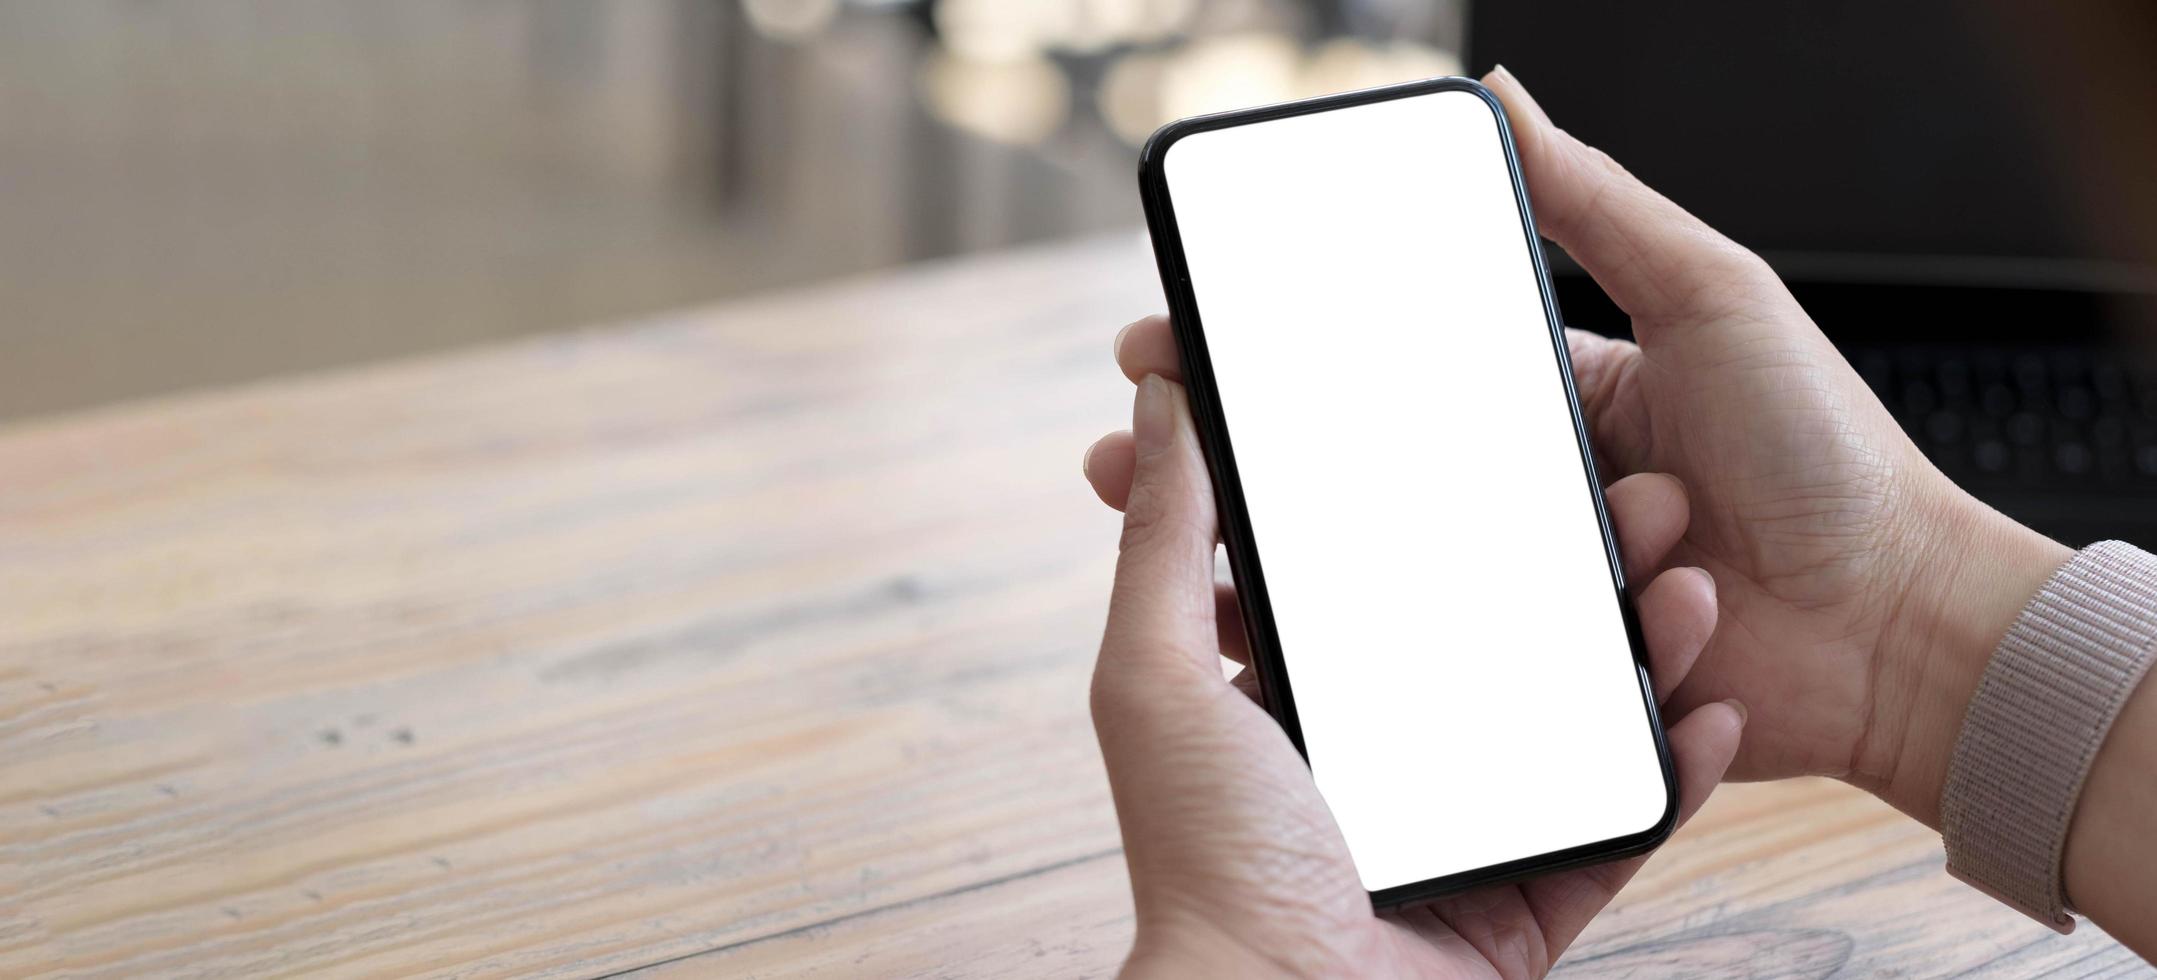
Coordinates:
x,y
1850,567
1237,867
1860,590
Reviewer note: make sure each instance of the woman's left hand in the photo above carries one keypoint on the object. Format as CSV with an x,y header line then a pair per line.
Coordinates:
x,y
1236,865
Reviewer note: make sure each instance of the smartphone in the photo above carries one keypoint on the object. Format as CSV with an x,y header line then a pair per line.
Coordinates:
x,y
1437,613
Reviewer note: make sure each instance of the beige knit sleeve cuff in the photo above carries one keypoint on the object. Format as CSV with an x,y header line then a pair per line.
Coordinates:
x,y
2041,712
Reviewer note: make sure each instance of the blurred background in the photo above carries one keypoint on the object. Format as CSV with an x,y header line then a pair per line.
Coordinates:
x,y
207,193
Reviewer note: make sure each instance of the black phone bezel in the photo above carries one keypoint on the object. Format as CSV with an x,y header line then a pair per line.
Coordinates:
x,y
1236,532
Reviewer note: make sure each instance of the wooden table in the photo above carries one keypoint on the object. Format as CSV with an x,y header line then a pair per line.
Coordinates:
x,y
751,640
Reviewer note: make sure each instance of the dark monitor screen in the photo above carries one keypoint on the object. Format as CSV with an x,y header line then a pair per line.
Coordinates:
x,y
1944,143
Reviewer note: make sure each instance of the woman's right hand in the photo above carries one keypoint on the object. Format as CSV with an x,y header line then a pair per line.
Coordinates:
x,y
1861,591
1852,574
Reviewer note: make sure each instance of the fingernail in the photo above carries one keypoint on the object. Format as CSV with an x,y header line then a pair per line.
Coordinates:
x,y
1151,416
1086,463
1744,714
1703,573
1527,100
1116,348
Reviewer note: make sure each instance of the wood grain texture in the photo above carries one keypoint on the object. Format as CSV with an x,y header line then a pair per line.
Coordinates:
x,y
747,641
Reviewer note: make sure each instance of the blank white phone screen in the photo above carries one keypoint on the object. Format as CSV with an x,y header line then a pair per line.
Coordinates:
x,y
1446,613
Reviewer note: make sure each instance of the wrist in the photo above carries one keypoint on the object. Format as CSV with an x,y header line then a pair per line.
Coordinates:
x,y
1972,571
1199,952
1168,944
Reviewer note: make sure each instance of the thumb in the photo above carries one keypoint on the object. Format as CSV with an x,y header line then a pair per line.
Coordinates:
x,y
1658,262
1161,610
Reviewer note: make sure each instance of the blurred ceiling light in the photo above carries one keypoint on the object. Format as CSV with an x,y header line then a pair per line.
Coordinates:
x,y
997,30
790,20
1130,96
1230,71
1022,100
1343,64
1099,24
1155,20
1142,90
1414,59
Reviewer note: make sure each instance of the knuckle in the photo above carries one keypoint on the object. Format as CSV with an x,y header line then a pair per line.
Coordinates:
x,y
1745,261
1127,680
1153,513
